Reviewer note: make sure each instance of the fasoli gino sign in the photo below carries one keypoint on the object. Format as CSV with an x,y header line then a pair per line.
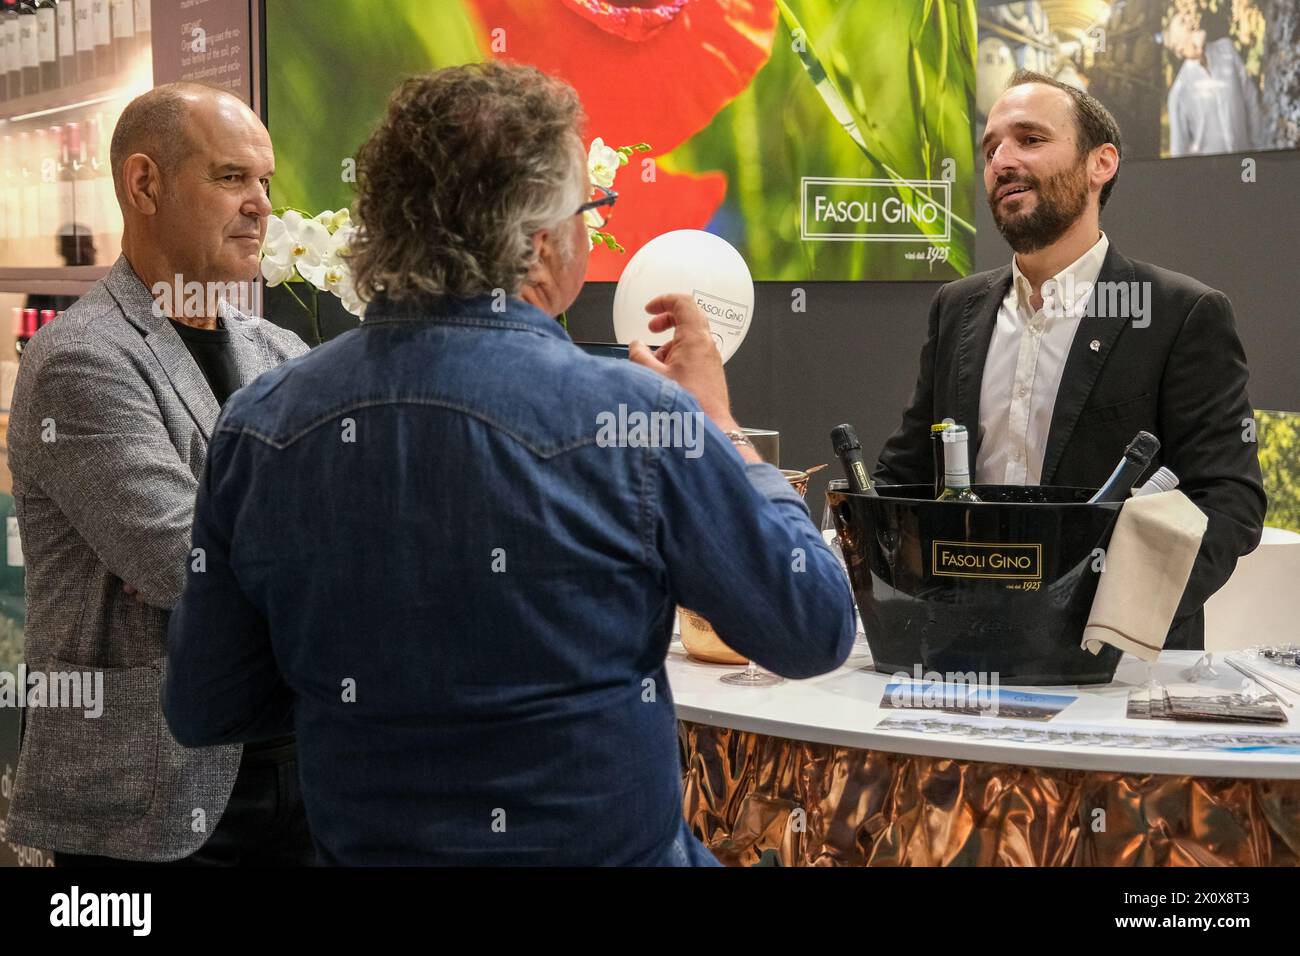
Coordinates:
x,y
872,210
967,559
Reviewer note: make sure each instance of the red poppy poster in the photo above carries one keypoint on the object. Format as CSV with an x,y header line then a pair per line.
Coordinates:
x,y
824,139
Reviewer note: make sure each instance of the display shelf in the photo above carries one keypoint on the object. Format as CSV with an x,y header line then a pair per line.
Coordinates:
x,y
51,280
50,103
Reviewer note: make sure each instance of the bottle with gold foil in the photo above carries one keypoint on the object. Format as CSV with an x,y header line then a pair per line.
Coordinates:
x,y
956,466
849,451
936,450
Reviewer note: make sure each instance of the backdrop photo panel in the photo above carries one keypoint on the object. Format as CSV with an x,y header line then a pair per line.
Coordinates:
x,y
824,139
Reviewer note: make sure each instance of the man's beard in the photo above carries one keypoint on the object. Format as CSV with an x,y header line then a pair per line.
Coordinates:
x,y
1061,200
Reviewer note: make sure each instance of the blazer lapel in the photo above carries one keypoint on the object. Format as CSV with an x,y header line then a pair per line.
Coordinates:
x,y
978,319
1083,363
251,356
185,376
137,304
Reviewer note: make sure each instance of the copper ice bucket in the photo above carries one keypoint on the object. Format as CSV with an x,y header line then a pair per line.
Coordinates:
x,y
698,636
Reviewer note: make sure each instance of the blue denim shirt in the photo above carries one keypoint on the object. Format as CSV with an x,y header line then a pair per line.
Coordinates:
x,y
431,549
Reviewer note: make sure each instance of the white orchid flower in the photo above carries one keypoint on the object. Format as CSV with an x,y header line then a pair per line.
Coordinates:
x,y
309,251
338,273
277,257
333,221
602,163
294,243
340,246
347,293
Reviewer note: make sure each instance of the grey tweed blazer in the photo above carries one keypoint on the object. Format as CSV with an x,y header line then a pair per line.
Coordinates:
x,y
107,437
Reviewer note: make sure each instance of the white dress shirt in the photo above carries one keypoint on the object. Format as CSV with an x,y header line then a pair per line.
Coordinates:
x,y
1022,373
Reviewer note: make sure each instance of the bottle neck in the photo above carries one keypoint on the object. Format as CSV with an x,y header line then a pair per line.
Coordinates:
x,y
956,464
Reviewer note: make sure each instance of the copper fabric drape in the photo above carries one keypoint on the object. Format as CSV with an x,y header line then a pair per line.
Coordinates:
x,y
822,805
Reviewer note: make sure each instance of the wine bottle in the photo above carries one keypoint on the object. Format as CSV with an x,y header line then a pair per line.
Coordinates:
x,y
144,29
102,26
956,465
47,49
65,41
85,225
1137,456
849,451
29,173
4,53
1162,480
13,60
65,204
5,241
46,142
29,52
107,213
936,452
123,33
27,328
84,28
10,222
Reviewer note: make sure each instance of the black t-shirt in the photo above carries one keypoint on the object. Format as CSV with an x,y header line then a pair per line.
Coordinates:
x,y
211,351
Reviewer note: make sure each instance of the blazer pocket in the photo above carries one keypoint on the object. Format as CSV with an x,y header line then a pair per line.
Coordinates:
x,y
1115,411
102,757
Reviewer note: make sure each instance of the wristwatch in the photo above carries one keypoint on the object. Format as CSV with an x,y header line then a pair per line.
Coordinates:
x,y
739,438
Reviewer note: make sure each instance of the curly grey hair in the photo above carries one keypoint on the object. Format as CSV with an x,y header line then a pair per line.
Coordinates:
x,y
468,163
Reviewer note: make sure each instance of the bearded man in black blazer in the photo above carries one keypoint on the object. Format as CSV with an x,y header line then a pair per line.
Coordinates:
x,y
1056,361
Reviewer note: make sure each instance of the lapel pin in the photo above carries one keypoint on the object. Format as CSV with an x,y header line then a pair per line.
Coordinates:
x,y
1095,345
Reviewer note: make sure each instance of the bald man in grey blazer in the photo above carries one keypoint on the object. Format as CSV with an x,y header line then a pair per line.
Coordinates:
x,y
112,413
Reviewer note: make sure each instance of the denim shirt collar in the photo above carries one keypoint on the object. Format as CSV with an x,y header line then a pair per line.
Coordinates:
x,y
514,313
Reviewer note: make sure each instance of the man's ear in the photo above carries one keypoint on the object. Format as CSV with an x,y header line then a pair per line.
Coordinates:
x,y
543,241
141,184
1106,159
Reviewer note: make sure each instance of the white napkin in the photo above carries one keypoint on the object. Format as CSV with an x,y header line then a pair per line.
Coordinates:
x,y
1147,564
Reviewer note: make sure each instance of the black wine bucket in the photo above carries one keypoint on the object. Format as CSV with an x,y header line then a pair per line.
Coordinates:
x,y
1003,586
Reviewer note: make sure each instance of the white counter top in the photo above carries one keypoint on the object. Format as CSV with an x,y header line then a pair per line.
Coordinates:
x,y
843,708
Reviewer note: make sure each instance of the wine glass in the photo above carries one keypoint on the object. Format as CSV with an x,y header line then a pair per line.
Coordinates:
x,y
1155,690
752,676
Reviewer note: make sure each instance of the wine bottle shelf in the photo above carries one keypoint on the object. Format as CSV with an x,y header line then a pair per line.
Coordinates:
x,y
51,280
62,99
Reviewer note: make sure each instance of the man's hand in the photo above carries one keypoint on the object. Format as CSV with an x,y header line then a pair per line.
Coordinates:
x,y
132,592
690,358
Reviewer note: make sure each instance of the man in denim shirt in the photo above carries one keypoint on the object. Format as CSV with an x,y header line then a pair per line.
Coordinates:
x,y
441,549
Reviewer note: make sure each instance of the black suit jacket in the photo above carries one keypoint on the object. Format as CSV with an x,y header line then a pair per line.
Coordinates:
x,y
1182,377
